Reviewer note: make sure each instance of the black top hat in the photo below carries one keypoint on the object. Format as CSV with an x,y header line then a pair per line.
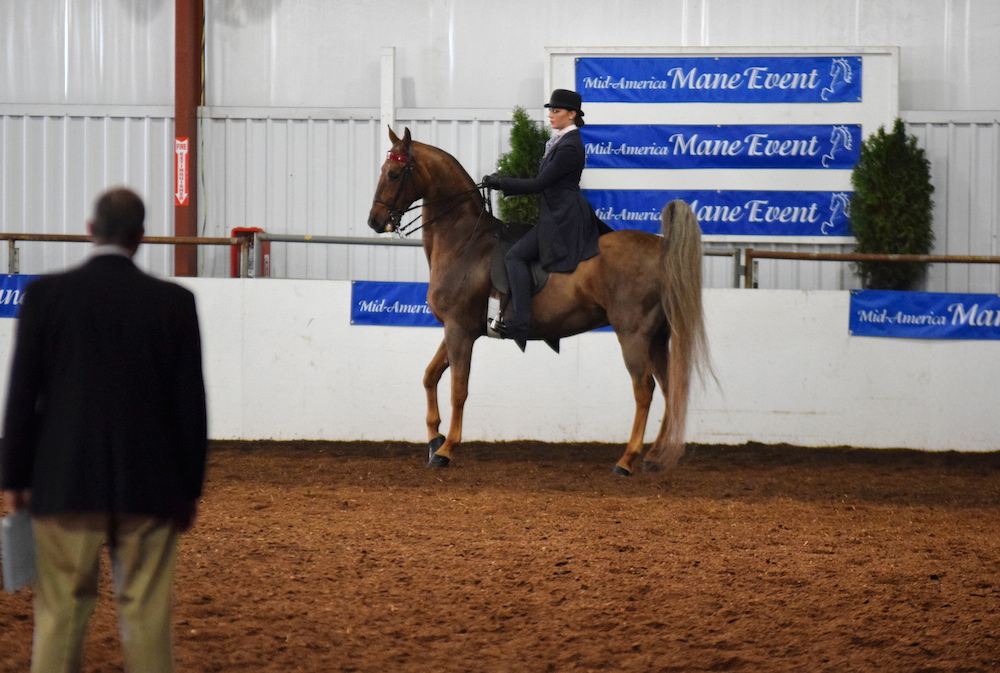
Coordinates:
x,y
564,99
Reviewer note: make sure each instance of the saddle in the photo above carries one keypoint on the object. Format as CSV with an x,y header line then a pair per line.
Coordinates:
x,y
508,235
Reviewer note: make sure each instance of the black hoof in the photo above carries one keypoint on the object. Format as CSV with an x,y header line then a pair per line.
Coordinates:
x,y
621,472
434,445
648,466
439,461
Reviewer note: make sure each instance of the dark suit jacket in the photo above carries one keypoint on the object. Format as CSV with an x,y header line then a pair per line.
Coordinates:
x,y
106,406
567,227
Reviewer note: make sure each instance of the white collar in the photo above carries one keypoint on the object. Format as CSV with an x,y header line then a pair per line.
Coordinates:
x,y
109,249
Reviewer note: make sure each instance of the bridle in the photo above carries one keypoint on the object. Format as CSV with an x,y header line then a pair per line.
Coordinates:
x,y
396,214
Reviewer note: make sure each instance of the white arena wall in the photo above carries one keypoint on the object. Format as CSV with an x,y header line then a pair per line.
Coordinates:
x,y
283,362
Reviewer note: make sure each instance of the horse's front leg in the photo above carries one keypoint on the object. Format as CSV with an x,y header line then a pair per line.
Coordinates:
x,y
432,376
459,358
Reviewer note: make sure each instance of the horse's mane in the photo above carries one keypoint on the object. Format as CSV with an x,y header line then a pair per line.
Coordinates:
x,y
452,164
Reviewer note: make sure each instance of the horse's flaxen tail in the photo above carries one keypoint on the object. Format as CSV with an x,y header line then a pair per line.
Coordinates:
x,y
688,344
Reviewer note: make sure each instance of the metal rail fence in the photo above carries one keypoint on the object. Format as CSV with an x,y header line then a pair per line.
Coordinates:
x,y
259,238
14,257
744,261
752,256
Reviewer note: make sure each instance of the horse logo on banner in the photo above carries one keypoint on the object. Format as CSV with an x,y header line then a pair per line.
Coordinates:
x,y
840,73
840,208
840,138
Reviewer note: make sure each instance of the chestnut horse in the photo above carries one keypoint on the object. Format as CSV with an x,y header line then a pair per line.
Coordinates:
x,y
647,287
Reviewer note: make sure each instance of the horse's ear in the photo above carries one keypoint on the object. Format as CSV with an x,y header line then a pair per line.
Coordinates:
x,y
407,142
393,138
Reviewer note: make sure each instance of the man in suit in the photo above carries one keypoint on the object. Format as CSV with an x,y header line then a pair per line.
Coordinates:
x,y
105,440
567,230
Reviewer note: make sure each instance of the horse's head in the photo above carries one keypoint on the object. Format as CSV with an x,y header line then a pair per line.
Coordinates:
x,y
841,67
396,188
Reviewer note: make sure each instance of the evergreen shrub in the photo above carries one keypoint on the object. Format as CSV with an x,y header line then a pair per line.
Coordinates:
x,y
891,208
527,146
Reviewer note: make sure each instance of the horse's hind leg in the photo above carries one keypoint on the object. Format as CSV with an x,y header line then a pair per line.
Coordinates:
x,y
634,350
432,376
667,459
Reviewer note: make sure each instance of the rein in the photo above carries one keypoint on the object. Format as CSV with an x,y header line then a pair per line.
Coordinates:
x,y
405,230
396,214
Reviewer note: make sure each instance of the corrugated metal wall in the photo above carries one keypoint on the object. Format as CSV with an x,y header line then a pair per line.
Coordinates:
x,y
964,151
302,174
310,172
56,159
305,175
87,85
293,175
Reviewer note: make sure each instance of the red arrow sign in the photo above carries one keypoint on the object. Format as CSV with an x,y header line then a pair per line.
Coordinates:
x,y
181,171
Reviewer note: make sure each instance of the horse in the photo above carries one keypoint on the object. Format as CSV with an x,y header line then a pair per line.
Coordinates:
x,y
647,287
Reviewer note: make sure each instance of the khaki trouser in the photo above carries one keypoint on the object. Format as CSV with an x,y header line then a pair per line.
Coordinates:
x,y
68,549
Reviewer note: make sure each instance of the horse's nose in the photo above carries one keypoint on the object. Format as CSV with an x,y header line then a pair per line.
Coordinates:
x,y
375,223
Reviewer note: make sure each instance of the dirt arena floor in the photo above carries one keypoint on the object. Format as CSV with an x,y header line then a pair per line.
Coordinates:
x,y
533,557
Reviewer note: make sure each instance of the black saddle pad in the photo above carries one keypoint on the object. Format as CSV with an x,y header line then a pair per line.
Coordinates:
x,y
508,235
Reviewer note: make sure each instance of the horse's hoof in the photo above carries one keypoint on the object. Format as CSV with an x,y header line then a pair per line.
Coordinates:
x,y
434,445
649,466
621,472
439,461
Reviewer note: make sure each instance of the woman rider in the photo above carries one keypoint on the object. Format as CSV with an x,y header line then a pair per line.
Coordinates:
x,y
567,229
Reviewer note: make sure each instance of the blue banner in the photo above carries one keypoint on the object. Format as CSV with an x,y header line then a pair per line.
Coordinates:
x,y
798,146
394,304
924,315
756,79
397,304
730,213
12,294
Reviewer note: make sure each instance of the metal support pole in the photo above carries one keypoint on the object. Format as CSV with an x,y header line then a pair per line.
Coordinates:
x,y
387,93
188,92
258,256
13,263
244,258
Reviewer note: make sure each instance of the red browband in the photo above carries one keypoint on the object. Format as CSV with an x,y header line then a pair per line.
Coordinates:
x,y
392,156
